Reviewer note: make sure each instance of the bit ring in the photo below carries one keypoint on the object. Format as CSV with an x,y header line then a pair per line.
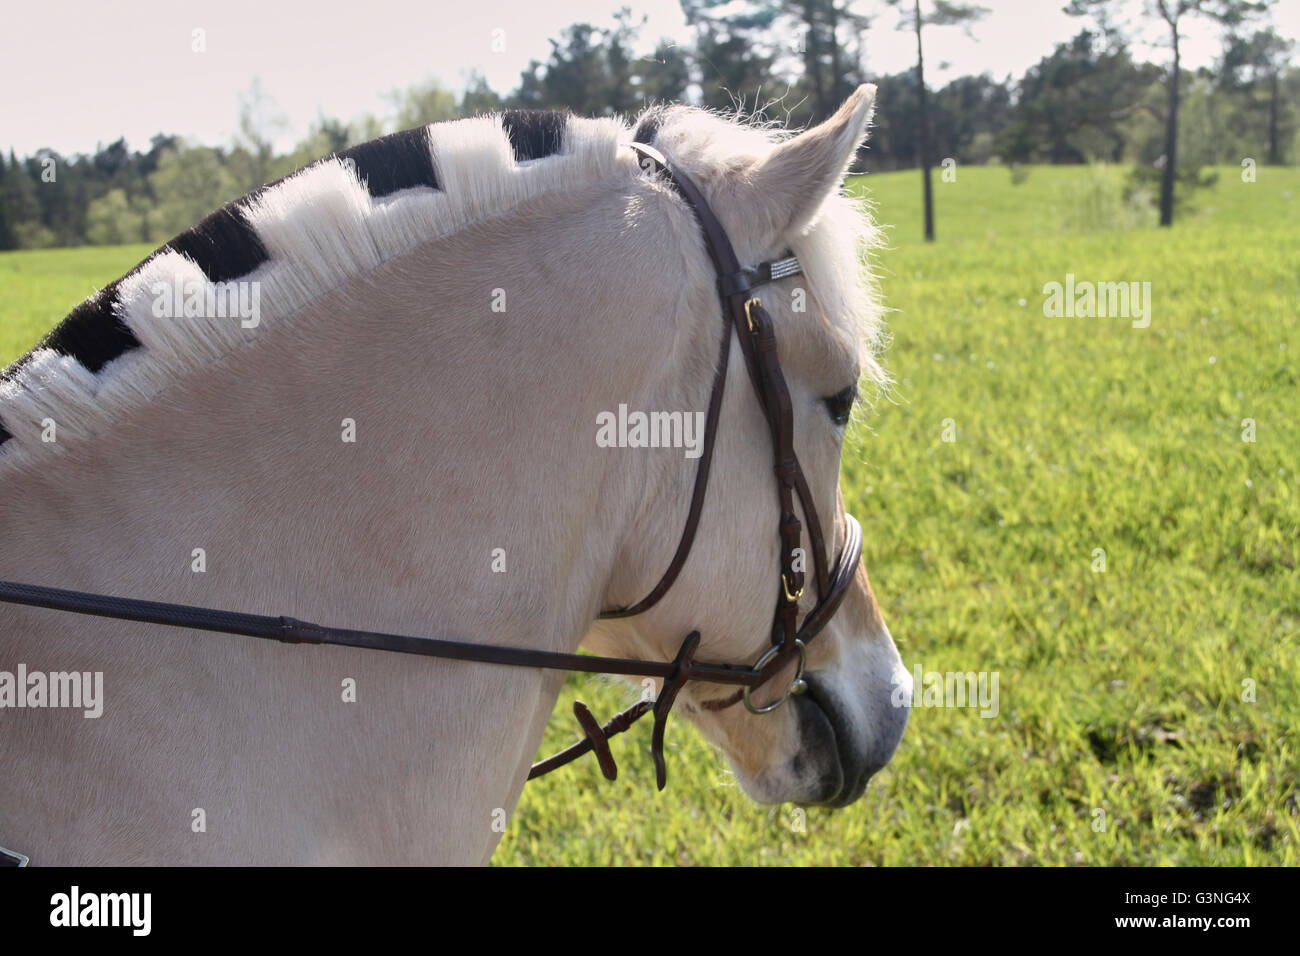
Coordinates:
x,y
797,686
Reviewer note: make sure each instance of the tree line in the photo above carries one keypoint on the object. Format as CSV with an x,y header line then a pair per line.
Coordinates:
x,y
792,61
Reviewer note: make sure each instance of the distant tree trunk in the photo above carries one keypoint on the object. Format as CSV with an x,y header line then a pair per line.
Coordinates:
x,y
1274,154
1171,139
837,71
813,61
924,118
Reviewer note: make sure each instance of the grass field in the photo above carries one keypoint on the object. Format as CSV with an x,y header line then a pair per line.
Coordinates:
x,y
1148,712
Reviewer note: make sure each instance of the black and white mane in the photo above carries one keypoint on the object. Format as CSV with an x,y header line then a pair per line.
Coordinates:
x,y
299,236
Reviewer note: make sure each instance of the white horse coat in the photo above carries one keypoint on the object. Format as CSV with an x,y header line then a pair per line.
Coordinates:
x,y
405,441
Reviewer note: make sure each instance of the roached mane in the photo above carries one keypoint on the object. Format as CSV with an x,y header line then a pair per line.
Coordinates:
x,y
302,236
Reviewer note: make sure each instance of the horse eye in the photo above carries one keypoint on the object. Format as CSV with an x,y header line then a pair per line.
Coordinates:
x,y
841,404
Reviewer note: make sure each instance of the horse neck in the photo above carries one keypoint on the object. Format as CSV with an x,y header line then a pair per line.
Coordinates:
x,y
473,503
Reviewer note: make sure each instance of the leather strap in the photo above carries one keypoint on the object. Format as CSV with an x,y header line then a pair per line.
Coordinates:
x,y
733,284
697,493
757,337
289,630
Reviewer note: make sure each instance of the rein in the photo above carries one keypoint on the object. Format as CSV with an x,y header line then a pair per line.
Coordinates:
x,y
752,325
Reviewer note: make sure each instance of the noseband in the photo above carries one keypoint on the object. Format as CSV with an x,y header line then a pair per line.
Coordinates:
x,y
742,313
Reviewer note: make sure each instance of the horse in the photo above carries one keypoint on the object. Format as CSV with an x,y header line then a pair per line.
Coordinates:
x,y
394,426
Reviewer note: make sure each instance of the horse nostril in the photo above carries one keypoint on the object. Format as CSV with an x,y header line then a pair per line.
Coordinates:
x,y
816,765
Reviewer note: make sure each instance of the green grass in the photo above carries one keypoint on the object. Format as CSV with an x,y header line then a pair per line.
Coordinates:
x,y
1121,691
41,286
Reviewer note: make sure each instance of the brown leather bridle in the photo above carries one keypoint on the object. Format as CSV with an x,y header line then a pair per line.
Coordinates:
x,y
741,312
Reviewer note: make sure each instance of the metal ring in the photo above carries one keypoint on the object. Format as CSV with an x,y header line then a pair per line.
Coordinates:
x,y
797,686
749,318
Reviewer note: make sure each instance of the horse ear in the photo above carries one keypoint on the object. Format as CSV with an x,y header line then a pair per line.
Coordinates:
x,y
791,183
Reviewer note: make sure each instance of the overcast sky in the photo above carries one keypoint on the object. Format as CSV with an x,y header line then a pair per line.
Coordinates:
x,y
77,74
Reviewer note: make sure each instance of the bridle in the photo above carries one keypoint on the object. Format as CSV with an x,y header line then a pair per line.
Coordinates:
x,y
742,313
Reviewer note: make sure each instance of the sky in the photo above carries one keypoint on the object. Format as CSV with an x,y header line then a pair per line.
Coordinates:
x,y
79,74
